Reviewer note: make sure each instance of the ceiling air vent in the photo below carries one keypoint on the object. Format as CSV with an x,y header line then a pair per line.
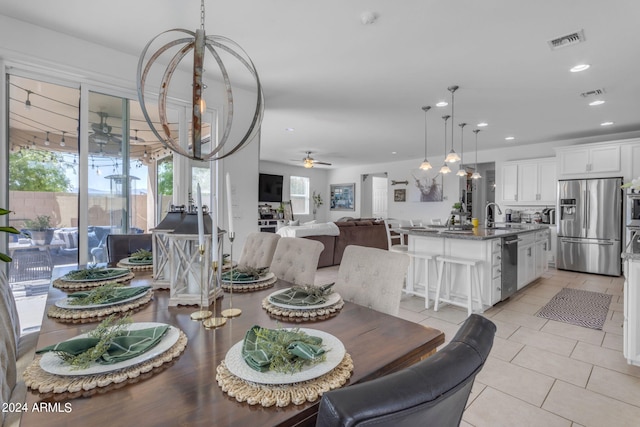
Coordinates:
x,y
568,40
595,92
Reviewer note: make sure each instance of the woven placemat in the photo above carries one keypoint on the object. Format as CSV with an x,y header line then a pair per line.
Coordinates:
x,y
80,286
284,394
249,287
41,381
134,267
97,314
302,315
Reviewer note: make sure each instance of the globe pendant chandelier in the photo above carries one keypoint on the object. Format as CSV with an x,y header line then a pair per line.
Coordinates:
x,y
452,157
461,170
444,169
476,174
425,166
199,42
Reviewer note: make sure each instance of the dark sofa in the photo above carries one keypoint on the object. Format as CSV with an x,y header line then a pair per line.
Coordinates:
x,y
361,232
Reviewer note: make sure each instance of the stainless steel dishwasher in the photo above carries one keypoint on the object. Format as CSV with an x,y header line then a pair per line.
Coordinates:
x,y
509,283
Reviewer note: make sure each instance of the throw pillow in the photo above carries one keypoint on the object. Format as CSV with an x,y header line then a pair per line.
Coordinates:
x,y
294,223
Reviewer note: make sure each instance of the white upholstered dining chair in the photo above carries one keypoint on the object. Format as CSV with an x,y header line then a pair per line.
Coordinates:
x,y
258,250
372,277
296,260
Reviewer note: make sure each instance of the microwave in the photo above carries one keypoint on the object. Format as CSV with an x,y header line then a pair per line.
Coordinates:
x,y
633,210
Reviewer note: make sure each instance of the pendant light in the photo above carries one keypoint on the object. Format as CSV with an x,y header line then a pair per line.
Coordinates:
x,y
461,171
27,103
425,166
476,174
452,157
445,169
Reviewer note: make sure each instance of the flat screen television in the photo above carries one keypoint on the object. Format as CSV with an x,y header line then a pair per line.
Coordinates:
x,y
270,188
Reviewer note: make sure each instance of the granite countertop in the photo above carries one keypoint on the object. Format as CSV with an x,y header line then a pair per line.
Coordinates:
x,y
479,233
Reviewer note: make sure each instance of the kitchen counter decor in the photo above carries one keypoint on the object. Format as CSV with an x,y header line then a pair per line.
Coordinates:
x,y
303,303
49,375
248,279
97,304
271,366
92,277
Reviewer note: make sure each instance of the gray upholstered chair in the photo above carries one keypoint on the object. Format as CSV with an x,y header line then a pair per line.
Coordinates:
x,y
16,352
372,277
433,392
296,260
120,246
258,250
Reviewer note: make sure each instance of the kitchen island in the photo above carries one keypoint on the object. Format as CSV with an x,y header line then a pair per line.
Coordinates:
x,y
500,266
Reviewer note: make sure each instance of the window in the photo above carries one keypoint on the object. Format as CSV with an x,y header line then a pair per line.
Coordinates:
x,y
299,193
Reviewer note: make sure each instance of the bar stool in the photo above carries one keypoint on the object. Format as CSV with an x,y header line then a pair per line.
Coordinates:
x,y
410,284
473,286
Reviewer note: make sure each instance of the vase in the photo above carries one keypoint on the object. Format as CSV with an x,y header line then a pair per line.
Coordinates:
x,y
314,213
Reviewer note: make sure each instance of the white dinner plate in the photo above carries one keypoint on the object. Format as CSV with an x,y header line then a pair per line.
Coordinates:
x,y
334,351
64,303
51,363
264,278
127,261
332,299
123,272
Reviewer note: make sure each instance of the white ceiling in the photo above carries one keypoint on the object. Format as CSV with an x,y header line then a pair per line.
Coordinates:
x,y
353,93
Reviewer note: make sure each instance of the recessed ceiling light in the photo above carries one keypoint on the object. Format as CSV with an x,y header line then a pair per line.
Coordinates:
x,y
394,152
289,129
579,67
482,124
510,138
597,102
606,123
442,104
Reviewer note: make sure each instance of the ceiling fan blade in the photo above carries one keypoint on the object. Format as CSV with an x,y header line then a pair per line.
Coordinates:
x,y
316,162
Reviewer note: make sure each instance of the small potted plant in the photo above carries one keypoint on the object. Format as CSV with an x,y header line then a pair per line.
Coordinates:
x,y
5,257
40,229
317,202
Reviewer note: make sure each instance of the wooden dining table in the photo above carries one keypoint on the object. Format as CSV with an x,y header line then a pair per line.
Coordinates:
x,y
185,393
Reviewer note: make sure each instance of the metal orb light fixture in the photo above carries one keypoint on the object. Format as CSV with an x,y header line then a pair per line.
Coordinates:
x,y
452,157
425,166
199,42
444,169
476,174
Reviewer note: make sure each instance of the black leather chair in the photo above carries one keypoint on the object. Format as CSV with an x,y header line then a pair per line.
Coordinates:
x,y
120,246
432,392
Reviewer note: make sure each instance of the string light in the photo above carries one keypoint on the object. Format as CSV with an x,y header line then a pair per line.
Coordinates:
x,y
62,141
46,141
27,103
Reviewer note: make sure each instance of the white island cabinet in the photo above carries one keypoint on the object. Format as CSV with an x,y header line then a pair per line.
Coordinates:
x,y
631,323
483,245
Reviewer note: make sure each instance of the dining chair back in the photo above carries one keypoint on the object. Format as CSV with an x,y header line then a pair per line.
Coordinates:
x,y
432,392
372,277
395,241
258,250
7,374
120,246
9,311
296,260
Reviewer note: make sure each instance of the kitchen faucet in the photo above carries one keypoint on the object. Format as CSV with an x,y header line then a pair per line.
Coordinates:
x,y
490,223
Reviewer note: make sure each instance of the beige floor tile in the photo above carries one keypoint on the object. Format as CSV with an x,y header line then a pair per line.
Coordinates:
x,y
493,408
614,384
544,290
412,303
502,376
552,364
504,329
592,336
449,329
613,341
450,313
612,326
618,316
523,307
492,311
616,306
521,319
589,286
535,300
545,341
476,389
505,349
604,357
589,408
411,316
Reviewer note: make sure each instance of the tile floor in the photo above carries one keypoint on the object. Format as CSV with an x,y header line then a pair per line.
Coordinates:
x,y
542,372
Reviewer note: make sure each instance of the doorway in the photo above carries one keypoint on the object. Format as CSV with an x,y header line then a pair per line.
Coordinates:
x,y
374,195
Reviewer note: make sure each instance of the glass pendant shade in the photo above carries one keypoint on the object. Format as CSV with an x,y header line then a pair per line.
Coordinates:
x,y
461,172
452,157
444,169
476,174
425,165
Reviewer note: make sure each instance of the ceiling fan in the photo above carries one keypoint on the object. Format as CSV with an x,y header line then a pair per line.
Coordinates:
x,y
102,132
309,162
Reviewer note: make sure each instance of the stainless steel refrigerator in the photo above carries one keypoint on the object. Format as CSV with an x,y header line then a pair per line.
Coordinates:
x,y
590,225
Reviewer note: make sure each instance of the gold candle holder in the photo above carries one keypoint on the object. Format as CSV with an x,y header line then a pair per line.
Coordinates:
x,y
231,312
214,321
202,313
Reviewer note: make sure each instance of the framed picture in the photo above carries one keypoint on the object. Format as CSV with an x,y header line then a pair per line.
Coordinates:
x,y
400,195
288,211
425,186
343,197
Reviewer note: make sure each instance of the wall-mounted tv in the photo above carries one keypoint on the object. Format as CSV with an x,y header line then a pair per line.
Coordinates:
x,y
270,188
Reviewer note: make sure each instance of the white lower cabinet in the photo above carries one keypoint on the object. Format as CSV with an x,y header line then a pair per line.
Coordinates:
x,y
533,250
631,322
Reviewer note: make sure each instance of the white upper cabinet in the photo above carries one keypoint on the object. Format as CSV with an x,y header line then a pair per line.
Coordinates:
x,y
530,182
587,160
